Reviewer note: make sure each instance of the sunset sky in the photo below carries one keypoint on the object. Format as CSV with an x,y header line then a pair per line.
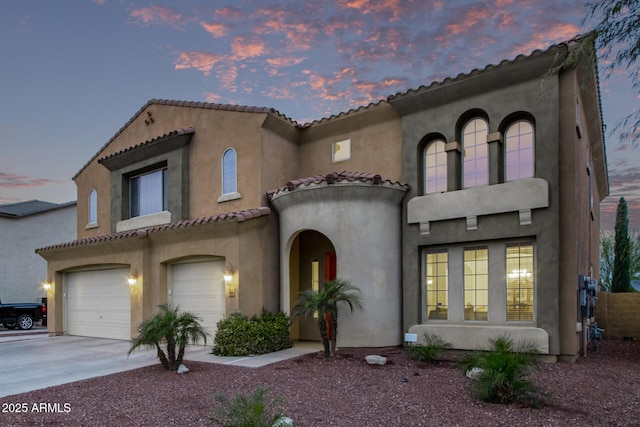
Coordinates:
x,y
73,72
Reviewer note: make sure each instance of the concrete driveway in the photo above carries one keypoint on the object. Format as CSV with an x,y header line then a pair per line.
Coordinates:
x,y
36,361
33,360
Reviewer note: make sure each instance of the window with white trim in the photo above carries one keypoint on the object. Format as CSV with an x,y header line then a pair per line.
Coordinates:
x,y
148,193
435,167
476,283
475,159
229,172
519,151
520,281
93,207
437,284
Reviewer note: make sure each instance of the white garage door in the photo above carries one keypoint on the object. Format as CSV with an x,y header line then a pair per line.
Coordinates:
x,y
199,287
98,304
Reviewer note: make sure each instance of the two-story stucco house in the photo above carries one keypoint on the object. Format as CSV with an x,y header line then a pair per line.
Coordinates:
x,y
466,208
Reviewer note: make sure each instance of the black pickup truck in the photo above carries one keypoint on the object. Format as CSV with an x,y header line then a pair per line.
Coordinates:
x,y
23,315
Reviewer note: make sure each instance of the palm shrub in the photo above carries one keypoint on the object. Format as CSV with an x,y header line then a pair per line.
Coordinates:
x,y
427,352
324,302
172,329
251,410
504,372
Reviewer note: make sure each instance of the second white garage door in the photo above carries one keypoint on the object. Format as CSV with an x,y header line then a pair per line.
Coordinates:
x,y
199,287
98,304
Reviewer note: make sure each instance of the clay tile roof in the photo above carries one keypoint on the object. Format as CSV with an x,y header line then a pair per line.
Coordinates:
x,y
332,178
181,131
489,67
239,216
345,113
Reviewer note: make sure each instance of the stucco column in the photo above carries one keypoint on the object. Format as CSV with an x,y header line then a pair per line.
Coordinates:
x,y
454,166
496,158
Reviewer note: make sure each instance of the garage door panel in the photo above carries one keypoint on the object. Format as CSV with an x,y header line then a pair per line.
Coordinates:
x,y
198,287
99,304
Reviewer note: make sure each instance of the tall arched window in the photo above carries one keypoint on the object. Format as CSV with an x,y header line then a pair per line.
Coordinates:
x,y
519,152
435,167
229,172
93,207
475,160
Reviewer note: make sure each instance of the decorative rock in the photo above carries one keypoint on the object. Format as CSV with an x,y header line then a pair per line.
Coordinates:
x,y
474,373
374,359
283,422
182,369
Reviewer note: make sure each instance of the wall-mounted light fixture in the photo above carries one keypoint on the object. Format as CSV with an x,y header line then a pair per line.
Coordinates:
x,y
228,274
228,278
133,279
46,285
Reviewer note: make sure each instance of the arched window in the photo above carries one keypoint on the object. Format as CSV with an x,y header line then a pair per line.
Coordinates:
x,y
229,172
519,152
475,160
93,207
435,167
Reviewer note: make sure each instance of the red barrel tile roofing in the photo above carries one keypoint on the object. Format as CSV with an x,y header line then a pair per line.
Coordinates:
x,y
239,216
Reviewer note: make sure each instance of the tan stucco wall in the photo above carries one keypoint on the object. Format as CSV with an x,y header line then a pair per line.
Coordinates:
x,y
215,132
376,143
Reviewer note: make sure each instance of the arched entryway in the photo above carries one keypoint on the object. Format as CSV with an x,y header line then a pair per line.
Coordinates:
x,y
357,217
312,261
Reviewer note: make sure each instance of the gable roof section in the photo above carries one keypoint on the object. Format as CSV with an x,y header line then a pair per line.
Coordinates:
x,y
164,143
238,216
188,104
332,178
30,207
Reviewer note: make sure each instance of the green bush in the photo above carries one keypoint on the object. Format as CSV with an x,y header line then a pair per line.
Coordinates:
x,y
253,410
504,372
427,352
239,335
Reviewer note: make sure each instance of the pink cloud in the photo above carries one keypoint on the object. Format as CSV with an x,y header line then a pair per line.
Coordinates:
x,y
278,92
284,62
217,30
300,33
212,97
201,61
15,181
227,76
471,18
388,9
158,15
243,47
230,13
560,31
277,64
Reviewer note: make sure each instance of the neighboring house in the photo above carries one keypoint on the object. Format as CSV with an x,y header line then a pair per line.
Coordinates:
x,y
467,209
24,227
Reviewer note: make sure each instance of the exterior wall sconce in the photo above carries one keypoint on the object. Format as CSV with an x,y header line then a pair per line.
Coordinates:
x,y
132,280
46,285
228,277
228,273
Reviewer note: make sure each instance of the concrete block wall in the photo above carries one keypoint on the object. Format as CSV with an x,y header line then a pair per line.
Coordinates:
x,y
619,314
